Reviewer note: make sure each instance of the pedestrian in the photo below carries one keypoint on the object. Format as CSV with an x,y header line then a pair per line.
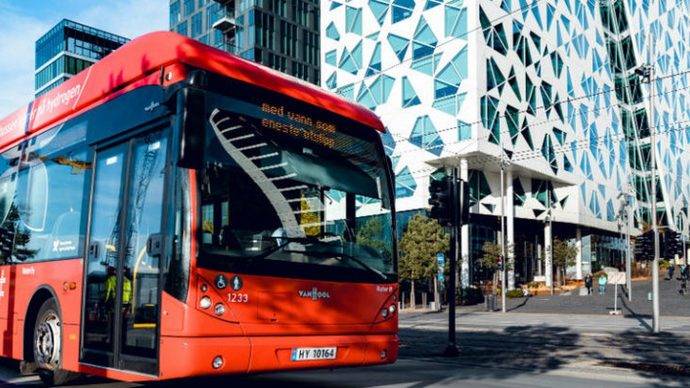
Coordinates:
x,y
602,284
671,270
684,269
683,287
588,283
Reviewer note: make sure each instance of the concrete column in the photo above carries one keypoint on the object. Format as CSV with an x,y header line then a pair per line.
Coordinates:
x,y
510,229
578,257
548,262
464,236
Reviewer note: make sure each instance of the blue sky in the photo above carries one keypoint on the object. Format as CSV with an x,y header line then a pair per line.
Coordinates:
x,y
23,21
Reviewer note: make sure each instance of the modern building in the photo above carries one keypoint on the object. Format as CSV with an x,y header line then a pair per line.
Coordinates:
x,y
550,92
68,48
281,34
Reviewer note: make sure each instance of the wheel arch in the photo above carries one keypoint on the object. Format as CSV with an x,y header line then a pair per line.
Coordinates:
x,y
42,293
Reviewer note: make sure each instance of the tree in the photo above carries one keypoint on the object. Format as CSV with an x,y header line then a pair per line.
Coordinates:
x,y
371,235
491,260
15,239
422,240
564,254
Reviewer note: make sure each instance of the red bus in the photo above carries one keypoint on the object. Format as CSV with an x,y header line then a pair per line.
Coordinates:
x,y
176,211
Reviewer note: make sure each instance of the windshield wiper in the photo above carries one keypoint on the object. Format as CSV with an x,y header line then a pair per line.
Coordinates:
x,y
363,264
286,242
340,256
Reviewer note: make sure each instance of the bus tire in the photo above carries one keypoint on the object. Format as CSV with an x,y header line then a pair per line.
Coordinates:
x,y
47,345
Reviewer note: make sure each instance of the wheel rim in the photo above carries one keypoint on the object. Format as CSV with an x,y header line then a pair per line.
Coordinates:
x,y
47,341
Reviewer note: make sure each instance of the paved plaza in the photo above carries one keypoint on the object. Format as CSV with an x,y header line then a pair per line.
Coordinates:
x,y
672,303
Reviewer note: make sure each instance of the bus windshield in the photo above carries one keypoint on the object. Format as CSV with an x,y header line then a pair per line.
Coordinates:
x,y
281,190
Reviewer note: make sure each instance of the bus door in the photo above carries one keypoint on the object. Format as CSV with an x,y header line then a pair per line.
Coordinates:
x,y
122,283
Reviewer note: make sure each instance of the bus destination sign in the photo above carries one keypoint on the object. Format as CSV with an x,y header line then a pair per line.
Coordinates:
x,y
298,125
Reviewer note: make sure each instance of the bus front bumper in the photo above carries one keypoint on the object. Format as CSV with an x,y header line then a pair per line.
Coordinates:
x,y
195,356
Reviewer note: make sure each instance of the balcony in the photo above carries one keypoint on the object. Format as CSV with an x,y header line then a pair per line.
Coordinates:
x,y
225,19
226,24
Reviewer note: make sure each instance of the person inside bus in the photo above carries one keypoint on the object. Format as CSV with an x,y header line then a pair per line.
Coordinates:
x,y
111,283
228,240
127,287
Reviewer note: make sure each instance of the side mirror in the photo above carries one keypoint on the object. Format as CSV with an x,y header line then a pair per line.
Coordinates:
x,y
191,121
95,249
154,245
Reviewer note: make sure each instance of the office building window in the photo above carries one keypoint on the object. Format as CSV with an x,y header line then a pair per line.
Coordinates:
x,y
212,14
189,7
174,13
182,28
197,24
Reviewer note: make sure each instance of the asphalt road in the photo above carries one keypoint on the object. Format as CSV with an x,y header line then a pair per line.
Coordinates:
x,y
405,373
496,350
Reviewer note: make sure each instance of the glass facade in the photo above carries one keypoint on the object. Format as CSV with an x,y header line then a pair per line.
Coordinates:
x,y
551,85
281,34
69,48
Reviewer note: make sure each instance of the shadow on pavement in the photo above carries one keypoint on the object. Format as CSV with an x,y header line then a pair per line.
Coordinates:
x,y
515,351
641,318
520,349
523,303
664,356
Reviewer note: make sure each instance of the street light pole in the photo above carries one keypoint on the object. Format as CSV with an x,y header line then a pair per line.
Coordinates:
x,y
452,347
628,255
503,239
684,235
548,243
624,219
648,77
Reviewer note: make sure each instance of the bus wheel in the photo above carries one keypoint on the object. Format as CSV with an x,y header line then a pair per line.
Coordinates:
x,y
47,342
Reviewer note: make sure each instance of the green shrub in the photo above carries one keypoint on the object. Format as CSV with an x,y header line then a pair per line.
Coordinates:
x,y
515,293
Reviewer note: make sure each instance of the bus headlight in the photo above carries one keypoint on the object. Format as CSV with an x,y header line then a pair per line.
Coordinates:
x,y
392,308
219,309
205,302
384,313
217,362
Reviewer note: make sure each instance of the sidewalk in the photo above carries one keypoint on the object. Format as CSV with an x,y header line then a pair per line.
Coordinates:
x,y
539,343
671,302
585,324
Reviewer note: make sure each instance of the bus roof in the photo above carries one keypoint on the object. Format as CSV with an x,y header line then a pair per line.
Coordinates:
x,y
139,63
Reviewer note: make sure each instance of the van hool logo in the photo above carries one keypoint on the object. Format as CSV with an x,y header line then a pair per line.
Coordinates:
x,y
314,294
50,103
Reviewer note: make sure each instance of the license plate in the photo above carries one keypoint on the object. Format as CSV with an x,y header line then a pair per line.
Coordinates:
x,y
310,354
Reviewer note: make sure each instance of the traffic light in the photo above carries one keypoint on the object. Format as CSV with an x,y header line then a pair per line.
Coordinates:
x,y
672,244
464,202
644,246
440,199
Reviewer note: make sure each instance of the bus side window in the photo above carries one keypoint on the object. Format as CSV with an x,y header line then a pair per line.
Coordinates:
x,y
50,196
8,210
